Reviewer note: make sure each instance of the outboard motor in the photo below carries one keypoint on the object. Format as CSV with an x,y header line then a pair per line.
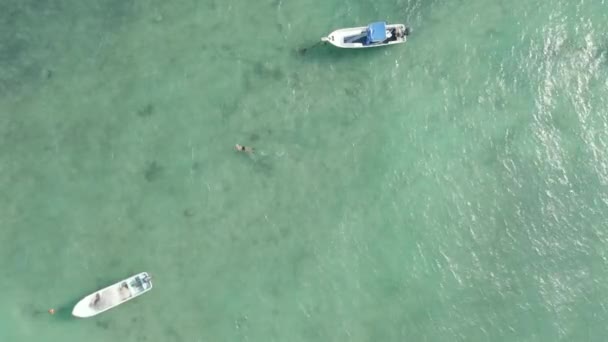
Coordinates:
x,y
407,31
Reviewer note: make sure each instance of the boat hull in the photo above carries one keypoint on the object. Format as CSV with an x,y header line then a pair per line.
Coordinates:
x,y
113,295
351,38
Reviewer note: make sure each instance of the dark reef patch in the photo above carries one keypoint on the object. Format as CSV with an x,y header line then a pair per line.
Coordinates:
x,y
146,111
153,171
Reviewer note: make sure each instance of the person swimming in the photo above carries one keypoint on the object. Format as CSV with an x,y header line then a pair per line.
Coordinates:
x,y
242,148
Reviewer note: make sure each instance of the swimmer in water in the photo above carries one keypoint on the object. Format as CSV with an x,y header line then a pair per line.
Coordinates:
x,y
242,148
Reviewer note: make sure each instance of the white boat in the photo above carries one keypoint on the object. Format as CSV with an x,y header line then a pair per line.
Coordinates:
x,y
113,295
372,35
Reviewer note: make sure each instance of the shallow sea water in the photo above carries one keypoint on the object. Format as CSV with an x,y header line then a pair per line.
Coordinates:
x,y
449,189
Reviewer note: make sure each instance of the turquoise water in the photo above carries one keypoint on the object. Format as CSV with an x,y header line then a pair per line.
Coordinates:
x,y
449,189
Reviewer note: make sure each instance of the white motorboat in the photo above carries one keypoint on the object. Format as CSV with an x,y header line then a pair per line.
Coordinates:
x,y
113,295
372,35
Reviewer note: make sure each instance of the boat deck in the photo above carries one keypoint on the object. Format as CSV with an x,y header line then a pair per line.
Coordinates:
x,y
110,297
362,38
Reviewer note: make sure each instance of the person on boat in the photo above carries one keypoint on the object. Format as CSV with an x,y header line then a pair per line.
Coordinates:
x,y
242,148
124,291
97,298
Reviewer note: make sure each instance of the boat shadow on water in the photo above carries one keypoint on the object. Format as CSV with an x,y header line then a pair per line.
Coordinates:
x,y
64,313
60,313
324,52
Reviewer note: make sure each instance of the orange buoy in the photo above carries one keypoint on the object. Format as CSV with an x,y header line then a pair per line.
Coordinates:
x,y
52,311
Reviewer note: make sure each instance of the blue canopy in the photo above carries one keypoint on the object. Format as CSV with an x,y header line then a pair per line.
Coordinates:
x,y
376,32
